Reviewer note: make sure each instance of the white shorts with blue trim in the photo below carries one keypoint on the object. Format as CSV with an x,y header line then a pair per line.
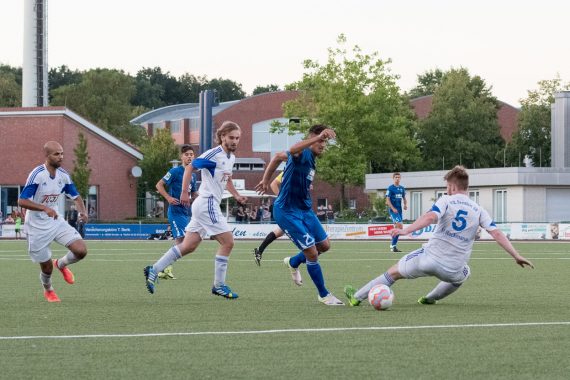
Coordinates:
x,y
420,264
207,218
40,240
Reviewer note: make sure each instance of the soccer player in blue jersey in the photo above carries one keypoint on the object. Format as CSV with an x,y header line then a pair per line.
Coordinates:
x,y
207,219
45,184
178,214
447,252
395,194
293,208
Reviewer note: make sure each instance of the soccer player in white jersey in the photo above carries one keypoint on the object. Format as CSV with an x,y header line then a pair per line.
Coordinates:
x,y
207,219
43,225
447,252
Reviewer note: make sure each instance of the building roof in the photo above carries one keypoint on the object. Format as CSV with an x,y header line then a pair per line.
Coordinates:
x,y
177,112
500,177
63,111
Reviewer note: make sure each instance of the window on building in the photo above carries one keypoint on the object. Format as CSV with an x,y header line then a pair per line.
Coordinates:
x,y
322,202
265,141
8,200
439,194
175,126
352,204
93,203
474,195
500,205
194,125
416,208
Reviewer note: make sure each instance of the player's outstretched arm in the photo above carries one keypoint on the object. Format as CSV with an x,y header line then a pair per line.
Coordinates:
x,y
326,134
502,240
423,221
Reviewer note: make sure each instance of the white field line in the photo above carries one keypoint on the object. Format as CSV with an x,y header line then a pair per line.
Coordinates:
x,y
288,331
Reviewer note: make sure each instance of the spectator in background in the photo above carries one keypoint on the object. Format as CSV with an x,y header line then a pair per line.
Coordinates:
x,y
265,215
330,214
18,226
240,216
321,213
9,219
253,214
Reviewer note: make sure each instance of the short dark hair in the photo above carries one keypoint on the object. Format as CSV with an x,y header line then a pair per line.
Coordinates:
x,y
317,129
186,147
395,174
459,176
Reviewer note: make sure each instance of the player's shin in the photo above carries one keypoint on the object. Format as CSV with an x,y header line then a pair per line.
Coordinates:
x,y
385,279
220,270
167,259
316,273
442,290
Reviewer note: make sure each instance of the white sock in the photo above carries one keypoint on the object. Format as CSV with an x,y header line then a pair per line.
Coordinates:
x,y
221,268
45,279
442,290
385,279
167,259
69,258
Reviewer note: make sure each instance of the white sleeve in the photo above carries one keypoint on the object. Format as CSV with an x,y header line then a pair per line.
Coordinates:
x,y
440,206
486,222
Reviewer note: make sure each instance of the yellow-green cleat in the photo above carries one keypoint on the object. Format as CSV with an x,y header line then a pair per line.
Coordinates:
x,y
426,301
349,292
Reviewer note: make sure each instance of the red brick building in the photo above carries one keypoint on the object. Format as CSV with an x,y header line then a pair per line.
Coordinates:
x,y
23,133
257,145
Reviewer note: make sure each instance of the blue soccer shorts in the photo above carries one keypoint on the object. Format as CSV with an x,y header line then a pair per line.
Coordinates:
x,y
302,226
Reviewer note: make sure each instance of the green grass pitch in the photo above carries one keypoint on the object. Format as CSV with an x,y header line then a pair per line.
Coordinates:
x,y
505,322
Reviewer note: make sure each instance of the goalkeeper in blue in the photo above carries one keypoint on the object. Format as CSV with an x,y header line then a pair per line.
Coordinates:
x,y
293,208
447,252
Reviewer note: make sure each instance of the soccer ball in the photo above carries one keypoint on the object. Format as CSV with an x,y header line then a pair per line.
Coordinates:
x,y
381,297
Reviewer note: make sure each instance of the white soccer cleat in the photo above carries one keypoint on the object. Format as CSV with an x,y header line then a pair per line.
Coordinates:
x,y
295,273
331,300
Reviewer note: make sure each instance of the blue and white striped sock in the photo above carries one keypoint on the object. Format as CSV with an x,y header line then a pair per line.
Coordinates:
x,y
167,259
384,278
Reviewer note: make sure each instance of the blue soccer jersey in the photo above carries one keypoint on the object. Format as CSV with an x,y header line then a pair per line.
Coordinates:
x,y
293,208
178,215
396,194
298,175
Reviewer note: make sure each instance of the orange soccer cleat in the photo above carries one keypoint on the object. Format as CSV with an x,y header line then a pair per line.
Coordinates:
x,y
51,296
66,273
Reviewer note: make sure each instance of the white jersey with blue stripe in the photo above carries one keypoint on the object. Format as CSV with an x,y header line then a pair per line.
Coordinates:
x,y
458,221
216,169
43,189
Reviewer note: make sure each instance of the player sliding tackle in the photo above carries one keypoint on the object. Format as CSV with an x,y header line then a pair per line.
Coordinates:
x,y
447,252
293,208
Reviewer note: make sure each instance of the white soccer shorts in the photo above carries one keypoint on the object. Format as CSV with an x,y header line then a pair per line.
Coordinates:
x,y
420,264
40,240
207,218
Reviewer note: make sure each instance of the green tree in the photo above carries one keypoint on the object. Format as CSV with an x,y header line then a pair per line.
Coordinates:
x,y
157,89
62,76
263,89
462,127
532,138
227,89
357,96
158,151
81,170
428,82
192,86
16,71
10,90
103,96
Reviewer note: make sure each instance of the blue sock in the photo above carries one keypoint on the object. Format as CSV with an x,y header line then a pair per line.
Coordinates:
x,y
395,240
297,260
314,269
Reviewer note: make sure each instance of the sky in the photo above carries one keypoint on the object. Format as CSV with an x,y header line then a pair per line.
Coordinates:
x,y
510,44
